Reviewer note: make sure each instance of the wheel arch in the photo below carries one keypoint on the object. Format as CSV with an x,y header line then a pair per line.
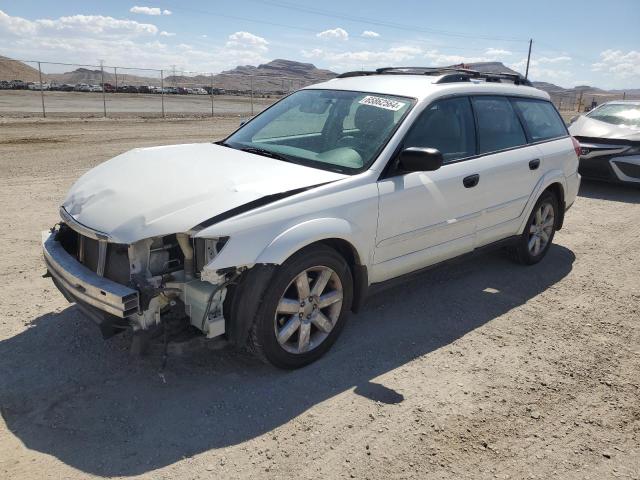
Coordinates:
x,y
245,297
554,182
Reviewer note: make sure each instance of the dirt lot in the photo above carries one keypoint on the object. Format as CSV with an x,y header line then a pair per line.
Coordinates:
x,y
483,369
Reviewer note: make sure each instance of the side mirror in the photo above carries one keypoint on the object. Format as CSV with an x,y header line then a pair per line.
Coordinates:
x,y
415,159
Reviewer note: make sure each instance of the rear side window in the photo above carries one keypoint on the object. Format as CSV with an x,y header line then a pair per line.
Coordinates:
x,y
541,119
446,125
498,125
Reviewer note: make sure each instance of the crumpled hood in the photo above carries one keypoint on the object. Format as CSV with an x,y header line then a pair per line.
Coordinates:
x,y
589,127
149,192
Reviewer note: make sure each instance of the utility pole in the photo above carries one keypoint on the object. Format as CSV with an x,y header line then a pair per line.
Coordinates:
x,y
526,74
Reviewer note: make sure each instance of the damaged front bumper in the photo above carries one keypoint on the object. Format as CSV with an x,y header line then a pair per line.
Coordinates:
x,y
79,284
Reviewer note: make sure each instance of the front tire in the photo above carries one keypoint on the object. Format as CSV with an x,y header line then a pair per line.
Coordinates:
x,y
303,309
539,231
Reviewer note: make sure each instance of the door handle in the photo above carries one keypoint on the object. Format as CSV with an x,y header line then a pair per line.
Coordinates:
x,y
471,180
534,164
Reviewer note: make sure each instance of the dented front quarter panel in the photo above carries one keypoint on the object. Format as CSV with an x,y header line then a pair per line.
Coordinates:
x,y
346,209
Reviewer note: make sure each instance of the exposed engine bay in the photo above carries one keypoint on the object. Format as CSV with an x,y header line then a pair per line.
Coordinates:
x,y
165,271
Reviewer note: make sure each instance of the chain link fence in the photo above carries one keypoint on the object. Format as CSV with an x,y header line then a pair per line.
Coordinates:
x,y
47,89
33,88
578,102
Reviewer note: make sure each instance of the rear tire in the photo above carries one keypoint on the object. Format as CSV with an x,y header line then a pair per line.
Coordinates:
x,y
539,231
304,308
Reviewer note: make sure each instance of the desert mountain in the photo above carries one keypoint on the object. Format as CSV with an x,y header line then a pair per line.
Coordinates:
x,y
273,77
15,70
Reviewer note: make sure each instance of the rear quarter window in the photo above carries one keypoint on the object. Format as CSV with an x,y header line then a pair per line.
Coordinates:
x,y
540,118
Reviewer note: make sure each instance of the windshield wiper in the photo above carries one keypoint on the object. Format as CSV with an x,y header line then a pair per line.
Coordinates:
x,y
264,153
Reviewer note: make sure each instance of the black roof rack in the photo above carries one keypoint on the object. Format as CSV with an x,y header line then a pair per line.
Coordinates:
x,y
449,74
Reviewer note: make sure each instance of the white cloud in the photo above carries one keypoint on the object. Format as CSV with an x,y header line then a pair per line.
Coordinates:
x,y
559,59
335,33
621,64
74,25
154,11
167,34
82,39
369,34
497,52
364,58
314,53
246,41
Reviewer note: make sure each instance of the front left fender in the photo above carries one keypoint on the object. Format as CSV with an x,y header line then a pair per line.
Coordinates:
x,y
306,233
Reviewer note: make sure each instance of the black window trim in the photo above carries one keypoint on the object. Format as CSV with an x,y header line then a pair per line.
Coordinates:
x,y
389,171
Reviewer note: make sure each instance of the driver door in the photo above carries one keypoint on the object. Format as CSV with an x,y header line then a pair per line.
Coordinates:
x,y
428,217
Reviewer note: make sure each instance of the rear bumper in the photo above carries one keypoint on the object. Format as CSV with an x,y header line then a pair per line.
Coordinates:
x,y
78,283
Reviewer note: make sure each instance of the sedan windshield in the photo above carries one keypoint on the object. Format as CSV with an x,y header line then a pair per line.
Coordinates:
x,y
618,114
329,129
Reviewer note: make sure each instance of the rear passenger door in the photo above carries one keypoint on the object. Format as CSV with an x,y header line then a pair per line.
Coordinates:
x,y
511,167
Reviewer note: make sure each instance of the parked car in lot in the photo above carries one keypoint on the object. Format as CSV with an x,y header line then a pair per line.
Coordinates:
x,y
271,236
95,88
38,86
82,87
609,137
199,91
127,89
109,88
18,85
65,87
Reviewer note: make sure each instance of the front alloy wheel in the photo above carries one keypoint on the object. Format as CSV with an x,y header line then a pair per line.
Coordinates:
x,y
304,308
308,309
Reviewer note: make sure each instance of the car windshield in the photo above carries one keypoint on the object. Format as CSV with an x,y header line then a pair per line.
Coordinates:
x,y
329,129
618,114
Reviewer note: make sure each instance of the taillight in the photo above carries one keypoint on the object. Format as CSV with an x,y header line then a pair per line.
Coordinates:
x,y
576,146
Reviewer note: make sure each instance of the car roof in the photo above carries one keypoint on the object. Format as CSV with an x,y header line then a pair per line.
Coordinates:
x,y
423,86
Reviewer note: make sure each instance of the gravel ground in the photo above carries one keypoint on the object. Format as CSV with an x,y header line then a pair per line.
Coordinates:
x,y
480,369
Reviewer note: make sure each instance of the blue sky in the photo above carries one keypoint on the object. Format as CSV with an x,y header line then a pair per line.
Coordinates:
x,y
575,42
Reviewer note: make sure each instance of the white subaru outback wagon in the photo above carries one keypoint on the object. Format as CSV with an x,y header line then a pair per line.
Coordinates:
x,y
271,236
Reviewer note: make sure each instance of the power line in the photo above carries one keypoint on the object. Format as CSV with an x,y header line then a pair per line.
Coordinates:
x,y
371,21
177,7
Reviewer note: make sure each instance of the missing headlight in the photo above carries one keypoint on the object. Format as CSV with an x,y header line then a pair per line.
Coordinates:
x,y
206,249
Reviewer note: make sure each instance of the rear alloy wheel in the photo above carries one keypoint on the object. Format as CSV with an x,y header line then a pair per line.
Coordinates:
x,y
539,231
303,309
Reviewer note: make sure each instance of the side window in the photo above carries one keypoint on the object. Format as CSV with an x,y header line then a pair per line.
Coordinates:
x,y
541,119
446,125
498,125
